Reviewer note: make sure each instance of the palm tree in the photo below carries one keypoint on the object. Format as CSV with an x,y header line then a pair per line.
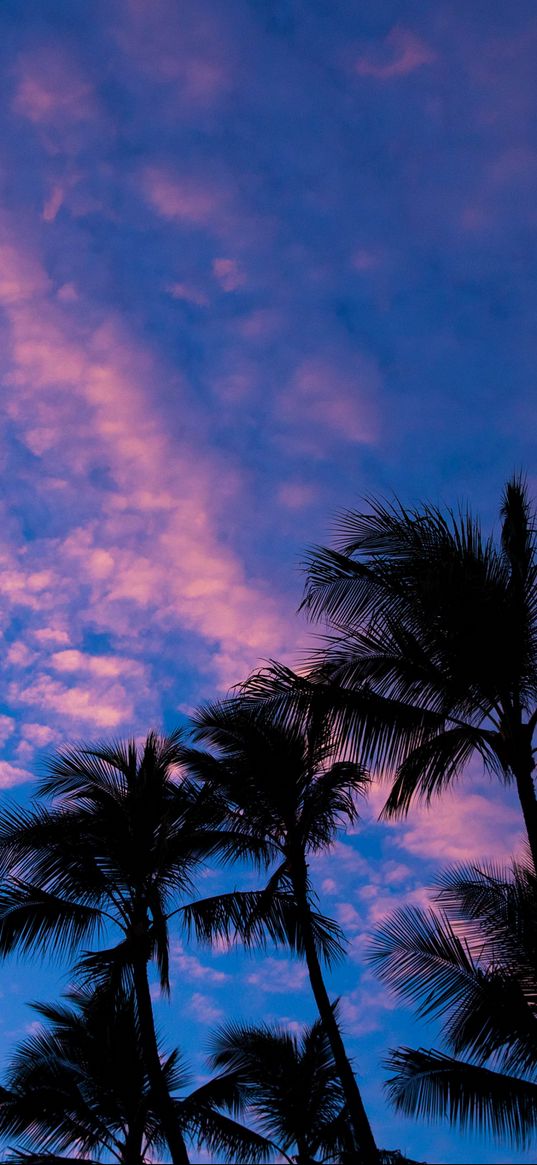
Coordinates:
x,y
111,842
431,657
474,964
282,787
290,1085
80,1085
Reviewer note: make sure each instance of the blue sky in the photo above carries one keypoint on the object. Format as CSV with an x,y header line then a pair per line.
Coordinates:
x,y
257,260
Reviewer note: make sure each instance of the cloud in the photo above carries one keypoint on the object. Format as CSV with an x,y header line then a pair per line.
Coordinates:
x,y
7,726
186,199
52,89
204,1009
278,976
297,495
103,666
192,54
323,399
188,294
149,546
104,706
228,273
443,832
406,52
13,775
361,1010
192,967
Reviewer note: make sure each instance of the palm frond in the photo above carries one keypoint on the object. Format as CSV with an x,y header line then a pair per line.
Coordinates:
x,y
32,919
422,958
432,1085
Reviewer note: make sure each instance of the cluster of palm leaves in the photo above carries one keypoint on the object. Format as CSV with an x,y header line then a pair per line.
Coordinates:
x,y
429,659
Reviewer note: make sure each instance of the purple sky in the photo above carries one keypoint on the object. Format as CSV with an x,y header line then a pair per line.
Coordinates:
x,y
258,258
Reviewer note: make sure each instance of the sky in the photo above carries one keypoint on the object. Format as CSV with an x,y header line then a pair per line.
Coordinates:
x,y
258,259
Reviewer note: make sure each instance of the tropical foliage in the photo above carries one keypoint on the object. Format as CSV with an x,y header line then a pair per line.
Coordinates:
x,y
79,1085
429,660
473,964
431,654
285,789
289,1084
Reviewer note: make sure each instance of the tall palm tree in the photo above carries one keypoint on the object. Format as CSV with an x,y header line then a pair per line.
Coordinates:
x,y
431,655
290,1085
80,1085
284,788
111,843
473,963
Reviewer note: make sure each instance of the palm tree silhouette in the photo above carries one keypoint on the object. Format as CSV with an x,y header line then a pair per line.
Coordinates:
x,y
112,842
472,963
290,1085
432,653
80,1085
282,787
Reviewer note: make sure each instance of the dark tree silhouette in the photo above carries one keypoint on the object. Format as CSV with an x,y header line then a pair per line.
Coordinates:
x,y
473,963
79,1085
431,657
112,841
290,1085
283,788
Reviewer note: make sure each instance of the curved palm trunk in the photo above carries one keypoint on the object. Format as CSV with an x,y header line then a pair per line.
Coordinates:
x,y
161,1097
363,1135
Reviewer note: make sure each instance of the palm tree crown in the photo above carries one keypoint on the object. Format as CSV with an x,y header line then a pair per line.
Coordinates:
x,y
432,652
290,1084
474,965
111,844
283,786
79,1084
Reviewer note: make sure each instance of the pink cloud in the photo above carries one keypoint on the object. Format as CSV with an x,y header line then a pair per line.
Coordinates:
x,y
325,399
204,1009
38,734
52,89
440,832
406,52
103,666
152,541
185,198
101,706
361,1010
297,495
229,274
7,727
53,203
47,635
443,832
278,976
192,967
13,775
181,47
348,917
21,275
188,293
20,655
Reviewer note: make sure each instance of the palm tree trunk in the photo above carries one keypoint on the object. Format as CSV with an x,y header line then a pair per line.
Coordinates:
x,y
528,803
161,1097
363,1135
132,1150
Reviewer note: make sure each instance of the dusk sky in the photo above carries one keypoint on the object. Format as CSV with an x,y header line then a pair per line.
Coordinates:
x,y
258,259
